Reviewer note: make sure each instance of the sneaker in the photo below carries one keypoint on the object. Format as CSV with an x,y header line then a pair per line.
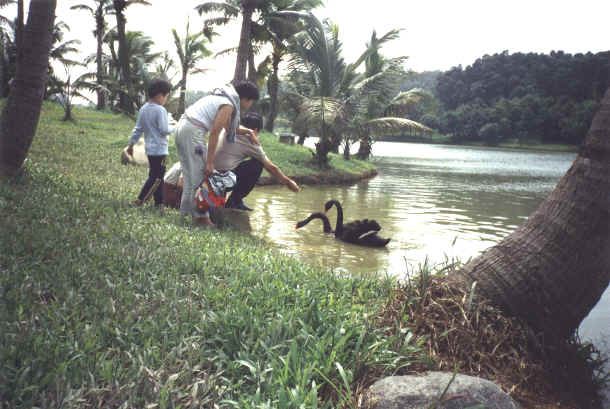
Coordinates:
x,y
136,203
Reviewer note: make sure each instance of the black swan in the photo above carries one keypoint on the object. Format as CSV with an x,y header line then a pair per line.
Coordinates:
x,y
322,216
361,232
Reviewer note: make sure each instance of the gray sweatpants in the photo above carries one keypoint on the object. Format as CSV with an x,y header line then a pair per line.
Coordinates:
x,y
192,147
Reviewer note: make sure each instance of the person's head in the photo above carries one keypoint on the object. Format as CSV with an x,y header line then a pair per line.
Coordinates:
x,y
158,91
248,93
253,120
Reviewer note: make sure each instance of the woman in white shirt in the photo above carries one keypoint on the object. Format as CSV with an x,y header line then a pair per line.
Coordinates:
x,y
197,138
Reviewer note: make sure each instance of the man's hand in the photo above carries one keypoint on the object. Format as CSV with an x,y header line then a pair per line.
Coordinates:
x,y
130,150
292,185
209,169
252,135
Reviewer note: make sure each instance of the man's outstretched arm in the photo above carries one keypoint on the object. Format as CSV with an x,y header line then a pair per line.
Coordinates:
x,y
277,173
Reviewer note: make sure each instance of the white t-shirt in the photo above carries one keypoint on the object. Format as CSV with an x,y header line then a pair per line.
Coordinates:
x,y
206,109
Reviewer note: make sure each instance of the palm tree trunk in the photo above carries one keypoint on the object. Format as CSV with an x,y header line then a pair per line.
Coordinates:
x,y
273,87
126,93
182,99
365,148
3,67
244,44
99,34
554,268
20,117
251,66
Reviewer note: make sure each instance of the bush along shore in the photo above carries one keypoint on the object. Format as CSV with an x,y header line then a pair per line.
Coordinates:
x,y
105,306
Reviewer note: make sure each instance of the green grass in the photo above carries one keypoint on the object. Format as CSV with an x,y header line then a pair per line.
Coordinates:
x,y
102,305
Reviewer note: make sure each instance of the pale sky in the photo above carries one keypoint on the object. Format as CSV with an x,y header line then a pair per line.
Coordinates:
x,y
437,34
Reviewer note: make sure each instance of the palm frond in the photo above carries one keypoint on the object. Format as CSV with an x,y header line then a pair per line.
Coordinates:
x,y
391,124
225,8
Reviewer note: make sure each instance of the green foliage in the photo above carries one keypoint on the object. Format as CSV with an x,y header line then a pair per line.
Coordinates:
x,y
541,98
108,306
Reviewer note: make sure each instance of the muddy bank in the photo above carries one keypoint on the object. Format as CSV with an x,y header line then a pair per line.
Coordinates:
x,y
326,178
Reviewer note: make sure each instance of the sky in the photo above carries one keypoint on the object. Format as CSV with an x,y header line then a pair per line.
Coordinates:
x,y
436,34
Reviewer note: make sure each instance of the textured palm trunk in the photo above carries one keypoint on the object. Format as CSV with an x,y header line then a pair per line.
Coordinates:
x,y
554,268
251,66
273,87
126,93
22,111
182,99
3,68
365,148
99,34
244,44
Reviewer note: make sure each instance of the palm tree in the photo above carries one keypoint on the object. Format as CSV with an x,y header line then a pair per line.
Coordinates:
x,y
555,267
59,51
20,116
280,22
65,91
126,98
191,50
138,49
230,10
99,13
329,83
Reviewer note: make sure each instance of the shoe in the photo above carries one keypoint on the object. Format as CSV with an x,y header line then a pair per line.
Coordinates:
x,y
239,206
136,203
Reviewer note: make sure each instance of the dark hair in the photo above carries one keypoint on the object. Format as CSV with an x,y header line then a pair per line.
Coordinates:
x,y
247,90
253,120
158,86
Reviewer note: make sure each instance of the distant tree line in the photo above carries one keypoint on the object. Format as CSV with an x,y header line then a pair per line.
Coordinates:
x,y
526,97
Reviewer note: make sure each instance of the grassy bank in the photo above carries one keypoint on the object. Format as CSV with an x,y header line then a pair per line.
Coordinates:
x,y
107,306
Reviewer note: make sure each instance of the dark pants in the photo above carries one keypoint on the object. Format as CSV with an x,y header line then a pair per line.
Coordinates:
x,y
154,183
247,174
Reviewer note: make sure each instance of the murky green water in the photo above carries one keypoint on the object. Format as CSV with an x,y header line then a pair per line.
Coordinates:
x,y
434,201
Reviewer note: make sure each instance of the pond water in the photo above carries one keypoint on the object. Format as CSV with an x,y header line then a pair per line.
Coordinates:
x,y
436,203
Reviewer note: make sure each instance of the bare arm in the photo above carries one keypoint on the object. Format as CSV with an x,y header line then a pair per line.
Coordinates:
x,y
223,118
277,173
252,135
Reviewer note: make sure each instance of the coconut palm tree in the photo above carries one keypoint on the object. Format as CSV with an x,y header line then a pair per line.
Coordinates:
x,y
191,50
59,53
555,267
21,113
279,22
99,11
231,10
126,98
66,90
328,82
138,49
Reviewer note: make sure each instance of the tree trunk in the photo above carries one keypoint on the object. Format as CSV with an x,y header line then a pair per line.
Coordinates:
x,y
182,99
3,67
244,44
99,34
126,93
555,267
22,111
251,66
273,87
365,148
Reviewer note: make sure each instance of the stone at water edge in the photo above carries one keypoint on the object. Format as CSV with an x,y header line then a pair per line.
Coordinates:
x,y
423,391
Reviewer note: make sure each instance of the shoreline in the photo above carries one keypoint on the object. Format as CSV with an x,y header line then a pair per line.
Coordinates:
x,y
332,177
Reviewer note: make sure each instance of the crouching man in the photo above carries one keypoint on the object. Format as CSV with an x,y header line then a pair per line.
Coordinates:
x,y
247,161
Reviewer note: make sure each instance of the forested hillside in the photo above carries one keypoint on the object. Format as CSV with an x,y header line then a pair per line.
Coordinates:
x,y
526,97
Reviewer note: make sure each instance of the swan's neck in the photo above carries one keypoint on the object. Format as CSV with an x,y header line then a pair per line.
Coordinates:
x,y
339,228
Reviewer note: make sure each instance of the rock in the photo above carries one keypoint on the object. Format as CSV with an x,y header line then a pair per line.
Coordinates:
x,y
139,157
424,391
236,219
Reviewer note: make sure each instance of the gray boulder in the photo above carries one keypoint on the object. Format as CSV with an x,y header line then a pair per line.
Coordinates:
x,y
424,391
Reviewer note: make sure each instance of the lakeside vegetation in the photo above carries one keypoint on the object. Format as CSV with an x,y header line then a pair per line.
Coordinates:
x,y
104,305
